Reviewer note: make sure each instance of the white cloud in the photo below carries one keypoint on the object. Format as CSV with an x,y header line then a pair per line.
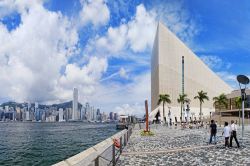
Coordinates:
x,y
229,78
127,109
126,41
33,54
84,78
137,35
212,61
116,96
142,29
87,75
215,62
95,12
123,73
178,20
114,41
9,6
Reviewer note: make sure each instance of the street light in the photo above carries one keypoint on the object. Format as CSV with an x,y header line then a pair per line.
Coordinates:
x,y
244,80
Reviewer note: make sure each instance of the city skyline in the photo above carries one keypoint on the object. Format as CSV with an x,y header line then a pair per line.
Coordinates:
x,y
35,112
48,48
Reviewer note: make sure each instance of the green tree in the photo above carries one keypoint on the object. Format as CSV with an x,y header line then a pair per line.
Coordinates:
x,y
164,98
220,102
182,99
201,97
238,102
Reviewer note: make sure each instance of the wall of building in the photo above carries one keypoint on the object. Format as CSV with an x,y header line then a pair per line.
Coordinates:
x,y
167,69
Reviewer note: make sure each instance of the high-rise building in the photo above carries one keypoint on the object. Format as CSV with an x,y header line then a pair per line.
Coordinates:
x,y
27,115
170,76
115,116
6,108
111,116
75,104
18,113
61,115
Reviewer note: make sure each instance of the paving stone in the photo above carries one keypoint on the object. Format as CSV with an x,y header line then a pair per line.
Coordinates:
x,y
166,139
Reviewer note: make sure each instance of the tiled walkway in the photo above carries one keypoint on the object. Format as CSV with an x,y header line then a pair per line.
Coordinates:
x,y
182,147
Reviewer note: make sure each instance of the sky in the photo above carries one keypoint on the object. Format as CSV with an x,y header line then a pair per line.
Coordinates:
x,y
103,47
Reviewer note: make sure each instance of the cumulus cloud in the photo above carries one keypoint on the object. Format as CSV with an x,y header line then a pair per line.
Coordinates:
x,y
114,41
127,109
136,35
117,96
123,73
33,55
95,12
87,75
34,52
142,29
178,20
215,62
127,41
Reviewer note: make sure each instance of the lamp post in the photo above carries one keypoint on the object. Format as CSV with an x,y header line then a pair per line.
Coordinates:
x,y
243,81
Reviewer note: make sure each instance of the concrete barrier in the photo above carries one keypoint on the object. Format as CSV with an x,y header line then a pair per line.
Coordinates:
x,y
91,155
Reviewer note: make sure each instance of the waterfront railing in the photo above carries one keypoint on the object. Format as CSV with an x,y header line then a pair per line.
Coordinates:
x,y
105,153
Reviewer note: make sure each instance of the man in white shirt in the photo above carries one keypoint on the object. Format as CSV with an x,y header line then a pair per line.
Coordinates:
x,y
226,133
234,134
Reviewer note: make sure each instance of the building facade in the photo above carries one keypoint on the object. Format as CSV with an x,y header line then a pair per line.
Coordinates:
x,y
75,104
233,109
166,76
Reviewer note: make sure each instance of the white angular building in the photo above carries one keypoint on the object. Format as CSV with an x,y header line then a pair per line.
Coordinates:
x,y
166,76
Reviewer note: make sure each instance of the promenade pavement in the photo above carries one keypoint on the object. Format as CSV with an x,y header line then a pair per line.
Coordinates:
x,y
183,147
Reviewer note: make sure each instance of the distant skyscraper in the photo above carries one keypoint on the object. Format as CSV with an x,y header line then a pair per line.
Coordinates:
x,y
6,108
111,116
115,116
75,104
36,105
29,106
61,115
27,115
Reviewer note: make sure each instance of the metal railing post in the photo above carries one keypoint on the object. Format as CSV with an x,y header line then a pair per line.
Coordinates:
x,y
113,155
125,140
127,136
97,161
120,144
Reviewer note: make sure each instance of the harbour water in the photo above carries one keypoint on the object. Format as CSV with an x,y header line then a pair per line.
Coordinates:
x,y
47,143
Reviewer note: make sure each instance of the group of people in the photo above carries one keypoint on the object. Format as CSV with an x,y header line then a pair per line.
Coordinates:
x,y
228,132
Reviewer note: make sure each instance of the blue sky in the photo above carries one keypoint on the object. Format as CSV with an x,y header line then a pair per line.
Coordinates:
x,y
103,47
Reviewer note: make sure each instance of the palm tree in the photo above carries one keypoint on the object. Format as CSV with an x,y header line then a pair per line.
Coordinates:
x,y
201,97
220,101
238,103
164,98
182,99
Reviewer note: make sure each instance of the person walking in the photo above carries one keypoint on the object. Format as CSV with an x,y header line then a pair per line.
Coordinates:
x,y
234,134
213,131
226,133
